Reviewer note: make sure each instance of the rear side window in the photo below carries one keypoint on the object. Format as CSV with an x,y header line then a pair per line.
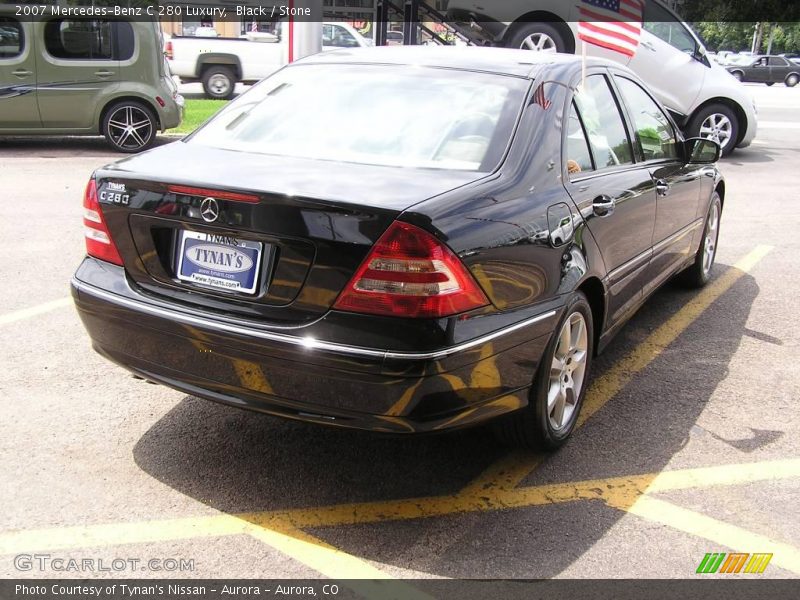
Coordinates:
x,y
603,123
578,158
12,40
85,39
654,133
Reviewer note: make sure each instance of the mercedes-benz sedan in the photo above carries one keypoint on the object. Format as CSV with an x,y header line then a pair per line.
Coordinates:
x,y
400,239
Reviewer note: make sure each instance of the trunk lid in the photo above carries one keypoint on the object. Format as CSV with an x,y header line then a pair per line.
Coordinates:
x,y
299,227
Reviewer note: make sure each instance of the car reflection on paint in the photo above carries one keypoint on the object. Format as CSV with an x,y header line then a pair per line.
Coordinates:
x,y
447,241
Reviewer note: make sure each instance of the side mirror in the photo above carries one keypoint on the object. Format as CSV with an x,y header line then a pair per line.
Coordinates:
x,y
702,151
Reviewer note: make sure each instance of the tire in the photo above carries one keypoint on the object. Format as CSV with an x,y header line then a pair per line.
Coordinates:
x,y
770,83
717,122
129,126
540,37
739,75
219,83
699,274
792,80
538,425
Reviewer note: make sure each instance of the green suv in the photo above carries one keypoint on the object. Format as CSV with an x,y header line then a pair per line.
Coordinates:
x,y
85,76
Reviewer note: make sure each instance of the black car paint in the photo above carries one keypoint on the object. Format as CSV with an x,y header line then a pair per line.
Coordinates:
x,y
380,373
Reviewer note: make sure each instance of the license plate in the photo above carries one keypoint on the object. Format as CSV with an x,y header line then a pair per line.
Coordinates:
x,y
220,262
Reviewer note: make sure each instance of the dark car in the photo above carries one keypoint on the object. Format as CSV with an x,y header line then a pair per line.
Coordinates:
x,y
767,69
400,239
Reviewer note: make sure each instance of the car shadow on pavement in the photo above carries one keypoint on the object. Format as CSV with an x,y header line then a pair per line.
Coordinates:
x,y
240,462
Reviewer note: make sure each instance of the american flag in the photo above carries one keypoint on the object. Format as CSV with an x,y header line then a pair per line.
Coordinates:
x,y
612,24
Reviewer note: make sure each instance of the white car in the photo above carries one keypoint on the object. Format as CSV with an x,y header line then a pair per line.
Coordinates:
x,y
220,63
703,97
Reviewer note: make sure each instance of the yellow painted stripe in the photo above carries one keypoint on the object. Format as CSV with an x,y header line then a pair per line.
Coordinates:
x,y
504,474
315,553
517,466
619,491
89,536
714,530
612,381
34,311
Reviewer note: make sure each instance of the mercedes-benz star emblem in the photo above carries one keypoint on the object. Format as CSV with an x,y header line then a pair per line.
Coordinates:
x,y
209,210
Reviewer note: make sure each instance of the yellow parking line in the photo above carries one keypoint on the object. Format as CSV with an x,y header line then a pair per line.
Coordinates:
x,y
512,469
619,491
315,553
714,530
495,489
34,311
111,534
506,473
612,381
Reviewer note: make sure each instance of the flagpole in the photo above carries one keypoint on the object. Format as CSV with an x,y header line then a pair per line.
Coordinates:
x,y
583,63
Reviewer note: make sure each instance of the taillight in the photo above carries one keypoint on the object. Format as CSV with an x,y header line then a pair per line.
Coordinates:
x,y
168,51
409,273
98,240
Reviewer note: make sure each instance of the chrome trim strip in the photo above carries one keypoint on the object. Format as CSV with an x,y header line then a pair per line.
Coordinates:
x,y
304,342
469,345
676,236
629,266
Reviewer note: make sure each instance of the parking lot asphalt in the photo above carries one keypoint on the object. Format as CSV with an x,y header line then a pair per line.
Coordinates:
x,y
689,444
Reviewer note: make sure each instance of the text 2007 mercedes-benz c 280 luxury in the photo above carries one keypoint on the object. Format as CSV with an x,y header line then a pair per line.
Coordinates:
x,y
400,239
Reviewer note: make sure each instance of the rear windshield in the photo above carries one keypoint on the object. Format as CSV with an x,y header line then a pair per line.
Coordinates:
x,y
374,114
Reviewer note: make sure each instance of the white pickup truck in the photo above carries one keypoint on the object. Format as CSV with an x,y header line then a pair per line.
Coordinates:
x,y
222,62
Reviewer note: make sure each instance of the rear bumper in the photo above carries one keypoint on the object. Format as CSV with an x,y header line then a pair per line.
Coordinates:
x,y
291,374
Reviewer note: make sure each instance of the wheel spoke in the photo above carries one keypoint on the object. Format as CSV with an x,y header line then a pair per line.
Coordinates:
x,y
577,333
564,341
125,135
557,367
137,137
557,412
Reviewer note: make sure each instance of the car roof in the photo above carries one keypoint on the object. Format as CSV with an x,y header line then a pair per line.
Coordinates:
x,y
518,63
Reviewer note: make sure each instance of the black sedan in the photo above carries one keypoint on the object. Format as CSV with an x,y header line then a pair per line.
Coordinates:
x,y
401,240
767,69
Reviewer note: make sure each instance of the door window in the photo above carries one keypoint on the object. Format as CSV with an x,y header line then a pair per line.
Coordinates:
x,y
12,39
603,123
777,61
662,24
654,132
84,39
578,157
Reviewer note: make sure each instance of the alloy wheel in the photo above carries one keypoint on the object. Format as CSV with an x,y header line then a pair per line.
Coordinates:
x,y
717,127
130,127
567,372
539,42
710,243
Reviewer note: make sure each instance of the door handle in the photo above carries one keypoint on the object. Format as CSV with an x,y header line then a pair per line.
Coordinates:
x,y
21,73
604,206
648,45
662,188
104,73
